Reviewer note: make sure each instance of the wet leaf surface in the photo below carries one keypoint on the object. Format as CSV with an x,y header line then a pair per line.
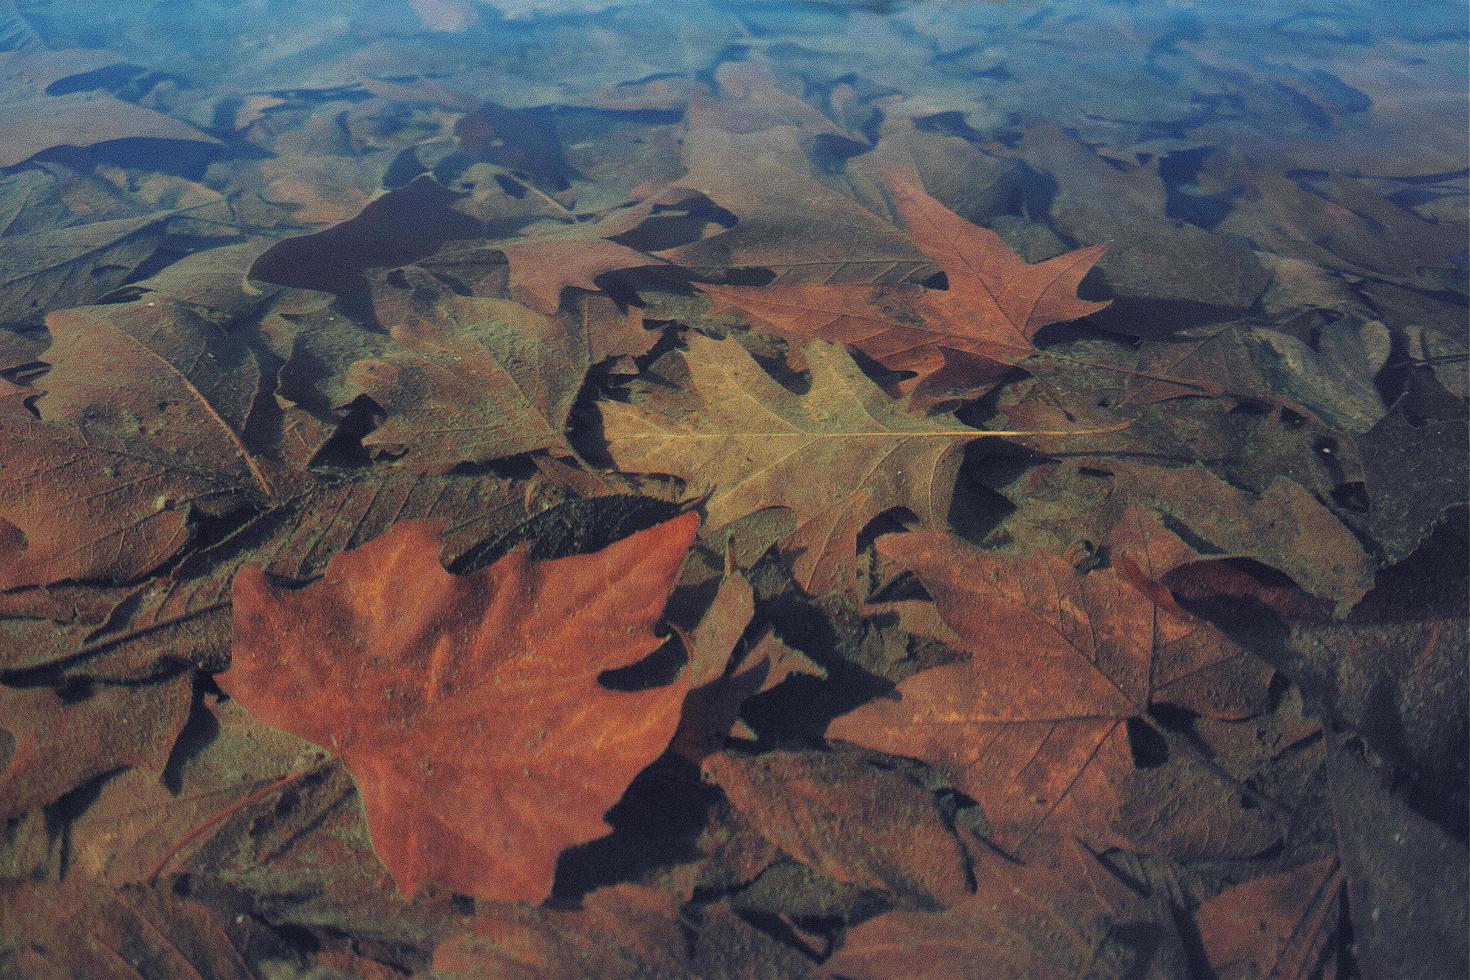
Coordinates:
x,y
1043,725
958,339
585,488
423,692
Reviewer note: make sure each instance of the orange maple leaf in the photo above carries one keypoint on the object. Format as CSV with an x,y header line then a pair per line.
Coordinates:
x,y
956,340
467,708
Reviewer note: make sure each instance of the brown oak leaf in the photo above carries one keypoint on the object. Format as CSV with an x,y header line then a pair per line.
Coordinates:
x,y
956,340
836,456
467,708
1035,725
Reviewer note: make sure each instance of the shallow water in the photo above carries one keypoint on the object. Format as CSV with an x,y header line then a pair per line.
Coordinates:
x,y
281,281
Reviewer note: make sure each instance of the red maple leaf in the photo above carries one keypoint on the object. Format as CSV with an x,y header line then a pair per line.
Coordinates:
x,y
467,708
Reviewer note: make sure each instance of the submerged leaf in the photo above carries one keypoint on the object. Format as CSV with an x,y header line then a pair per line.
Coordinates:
x,y
79,504
1024,922
480,380
1035,725
82,119
41,271
163,371
737,435
1276,926
56,744
956,339
467,708
849,819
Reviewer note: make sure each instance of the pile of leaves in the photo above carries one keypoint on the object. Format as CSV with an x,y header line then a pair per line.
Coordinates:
x,y
746,509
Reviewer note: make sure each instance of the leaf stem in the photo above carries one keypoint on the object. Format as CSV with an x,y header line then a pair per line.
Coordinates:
x,y
223,815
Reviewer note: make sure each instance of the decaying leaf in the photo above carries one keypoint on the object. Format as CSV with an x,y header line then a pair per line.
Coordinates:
x,y
467,708
477,380
162,372
1311,544
623,932
43,270
1035,725
848,819
746,153
55,744
957,339
83,119
844,449
81,504
84,929
1023,922
1278,925
185,618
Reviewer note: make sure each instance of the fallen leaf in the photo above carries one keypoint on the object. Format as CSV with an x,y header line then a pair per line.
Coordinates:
x,y
84,929
80,504
1341,224
163,372
41,271
40,625
735,434
1280,925
1331,382
849,819
399,227
712,710
56,744
1024,922
664,94
711,643
318,190
1311,546
516,140
82,119
956,340
401,669
1413,474
1408,879
472,380
28,74
1173,267
727,947
622,932
746,152
1035,725
185,617
542,267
